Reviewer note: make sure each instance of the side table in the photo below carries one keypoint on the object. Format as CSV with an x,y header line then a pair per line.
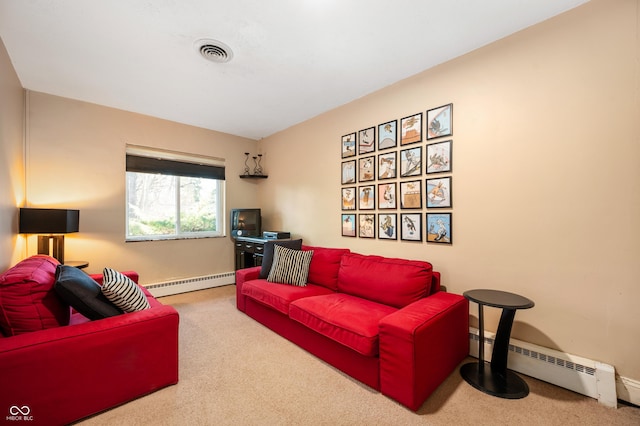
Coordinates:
x,y
80,264
494,378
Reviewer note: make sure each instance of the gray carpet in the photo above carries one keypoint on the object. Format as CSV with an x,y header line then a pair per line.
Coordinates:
x,y
234,371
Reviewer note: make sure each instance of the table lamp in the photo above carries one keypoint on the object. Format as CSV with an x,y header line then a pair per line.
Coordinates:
x,y
53,223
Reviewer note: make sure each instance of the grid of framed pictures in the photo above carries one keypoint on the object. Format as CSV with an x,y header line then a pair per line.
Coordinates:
x,y
396,179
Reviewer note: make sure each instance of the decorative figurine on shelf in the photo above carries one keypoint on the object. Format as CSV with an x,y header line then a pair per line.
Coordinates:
x,y
247,172
258,169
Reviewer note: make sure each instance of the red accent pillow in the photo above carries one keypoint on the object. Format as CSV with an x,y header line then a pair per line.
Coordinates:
x,y
394,282
28,301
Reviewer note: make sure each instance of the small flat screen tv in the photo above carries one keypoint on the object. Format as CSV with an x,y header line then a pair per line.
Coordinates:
x,y
246,223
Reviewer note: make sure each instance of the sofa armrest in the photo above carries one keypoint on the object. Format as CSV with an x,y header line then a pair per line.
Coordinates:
x,y
242,276
421,344
67,373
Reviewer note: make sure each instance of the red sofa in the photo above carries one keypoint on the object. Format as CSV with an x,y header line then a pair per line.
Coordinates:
x,y
383,321
63,373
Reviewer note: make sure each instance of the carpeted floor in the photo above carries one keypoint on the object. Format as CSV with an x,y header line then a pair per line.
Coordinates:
x,y
234,371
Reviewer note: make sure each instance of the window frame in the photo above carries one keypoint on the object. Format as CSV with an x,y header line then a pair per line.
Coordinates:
x,y
179,165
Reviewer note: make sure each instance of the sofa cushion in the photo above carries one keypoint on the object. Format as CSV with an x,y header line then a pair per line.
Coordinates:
x,y
267,253
83,294
325,265
279,296
123,292
394,282
290,266
28,301
349,320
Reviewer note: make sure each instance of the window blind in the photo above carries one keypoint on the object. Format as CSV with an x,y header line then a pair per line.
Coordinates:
x,y
172,163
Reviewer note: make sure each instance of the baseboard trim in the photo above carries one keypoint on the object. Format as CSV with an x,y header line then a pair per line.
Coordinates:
x,y
628,390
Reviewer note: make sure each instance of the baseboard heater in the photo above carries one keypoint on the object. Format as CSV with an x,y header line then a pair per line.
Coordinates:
x,y
584,376
185,285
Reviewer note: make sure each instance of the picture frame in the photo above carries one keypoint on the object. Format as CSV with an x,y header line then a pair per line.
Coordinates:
x,y
349,145
387,165
440,121
348,225
367,169
411,226
348,199
367,225
438,192
387,198
411,194
411,162
411,129
439,228
438,157
367,197
387,226
348,172
388,135
367,140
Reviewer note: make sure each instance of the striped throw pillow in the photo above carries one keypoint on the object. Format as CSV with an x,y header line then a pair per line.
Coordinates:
x,y
123,292
290,266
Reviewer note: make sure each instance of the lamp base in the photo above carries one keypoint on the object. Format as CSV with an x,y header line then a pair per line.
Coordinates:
x,y
44,246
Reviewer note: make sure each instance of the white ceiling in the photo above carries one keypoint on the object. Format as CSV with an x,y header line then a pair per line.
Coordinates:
x,y
293,59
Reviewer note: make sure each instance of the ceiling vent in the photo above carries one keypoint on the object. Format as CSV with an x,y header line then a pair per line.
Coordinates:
x,y
214,50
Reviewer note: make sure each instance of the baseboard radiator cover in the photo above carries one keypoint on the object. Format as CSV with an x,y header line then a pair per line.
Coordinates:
x,y
581,375
184,285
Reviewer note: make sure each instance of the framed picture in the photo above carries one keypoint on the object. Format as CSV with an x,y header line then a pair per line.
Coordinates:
x,y
387,196
348,172
349,198
348,225
367,140
439,193
411,194
387,229
349,145
367,197
440,121
387,165
438,157
388,135
411,129
367,225
411,226
411,162
439,228
366,169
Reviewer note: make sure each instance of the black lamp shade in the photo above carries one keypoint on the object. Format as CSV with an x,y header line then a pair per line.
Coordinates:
x,y
48,221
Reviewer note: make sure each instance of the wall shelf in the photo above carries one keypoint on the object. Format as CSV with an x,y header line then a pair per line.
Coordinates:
x,y
253,176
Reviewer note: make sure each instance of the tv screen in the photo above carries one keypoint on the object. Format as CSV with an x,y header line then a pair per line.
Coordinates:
x,y
246,223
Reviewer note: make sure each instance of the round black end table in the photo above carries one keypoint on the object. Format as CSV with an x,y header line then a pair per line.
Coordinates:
x,y
494,378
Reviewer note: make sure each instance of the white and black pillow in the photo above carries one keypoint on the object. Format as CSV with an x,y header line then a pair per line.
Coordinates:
x,y
123,292
267,253
290,266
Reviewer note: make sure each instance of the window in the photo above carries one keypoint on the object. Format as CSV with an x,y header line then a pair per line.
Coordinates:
x,y
173,195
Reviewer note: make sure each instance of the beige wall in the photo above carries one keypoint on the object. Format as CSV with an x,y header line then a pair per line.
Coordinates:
x,y
546,177
76,159
11,161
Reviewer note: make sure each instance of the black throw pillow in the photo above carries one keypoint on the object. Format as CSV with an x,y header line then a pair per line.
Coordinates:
x,y
83,294
267,253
